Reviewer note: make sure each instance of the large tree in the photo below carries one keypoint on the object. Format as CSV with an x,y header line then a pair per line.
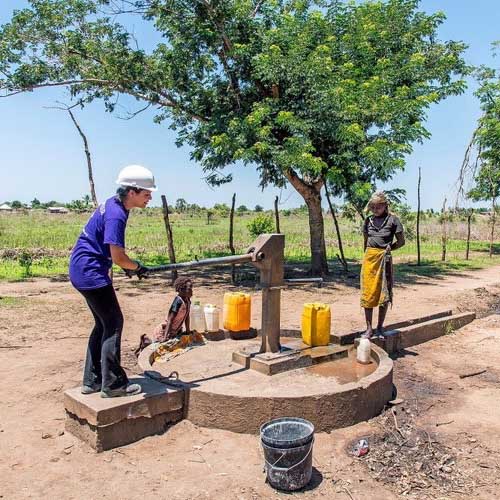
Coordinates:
x,y
302,90
482,158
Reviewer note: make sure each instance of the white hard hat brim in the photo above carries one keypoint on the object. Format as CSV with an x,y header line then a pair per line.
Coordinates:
x,y
130,184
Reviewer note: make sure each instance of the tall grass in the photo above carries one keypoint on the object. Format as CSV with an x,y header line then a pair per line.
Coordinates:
x,y
50,237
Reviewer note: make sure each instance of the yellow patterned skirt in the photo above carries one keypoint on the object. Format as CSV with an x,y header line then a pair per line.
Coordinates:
x,y
177,345
376,278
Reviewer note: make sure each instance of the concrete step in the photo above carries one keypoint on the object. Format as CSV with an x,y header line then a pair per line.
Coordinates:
x,y
106,423
401,338
348,338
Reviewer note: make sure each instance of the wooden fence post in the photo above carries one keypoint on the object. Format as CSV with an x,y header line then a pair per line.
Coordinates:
x,y
467,248
444,236
341,258
277,214
170,238
418,215
231,237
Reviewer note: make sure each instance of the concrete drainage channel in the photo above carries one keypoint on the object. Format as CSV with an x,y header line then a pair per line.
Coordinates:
x,y
219,393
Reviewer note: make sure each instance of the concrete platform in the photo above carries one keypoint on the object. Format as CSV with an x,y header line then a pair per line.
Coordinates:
x,y
221,393
347,338
106,423
295,354
395,340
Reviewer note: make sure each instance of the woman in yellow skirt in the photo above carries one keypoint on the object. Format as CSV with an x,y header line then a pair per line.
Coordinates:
x,y
379,231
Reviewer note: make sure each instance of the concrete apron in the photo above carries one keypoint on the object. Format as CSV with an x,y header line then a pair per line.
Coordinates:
x,y
237,405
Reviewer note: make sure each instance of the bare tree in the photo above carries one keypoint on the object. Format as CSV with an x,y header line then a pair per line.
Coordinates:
x,y
65,107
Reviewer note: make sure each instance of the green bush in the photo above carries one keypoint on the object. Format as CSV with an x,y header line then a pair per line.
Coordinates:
x,y
25,261
260,225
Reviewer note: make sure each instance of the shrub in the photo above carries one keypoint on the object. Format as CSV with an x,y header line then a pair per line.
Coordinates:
x,y
260,225
26,261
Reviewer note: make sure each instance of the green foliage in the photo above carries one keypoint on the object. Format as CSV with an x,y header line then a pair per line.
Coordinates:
x,y
25,260
258,208
181,205
242,209
16,204
222,209
261,224
85,203
487,138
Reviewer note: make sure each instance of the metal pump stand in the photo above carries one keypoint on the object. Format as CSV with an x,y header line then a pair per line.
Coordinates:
x,y
267,255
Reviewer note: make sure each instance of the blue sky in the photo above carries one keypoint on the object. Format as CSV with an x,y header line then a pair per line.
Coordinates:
x,y
42,154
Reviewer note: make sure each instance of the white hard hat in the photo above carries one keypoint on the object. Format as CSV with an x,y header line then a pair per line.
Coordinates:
x,y
138,177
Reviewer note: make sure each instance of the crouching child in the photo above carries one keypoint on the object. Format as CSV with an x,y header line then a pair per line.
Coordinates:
x,y
176,319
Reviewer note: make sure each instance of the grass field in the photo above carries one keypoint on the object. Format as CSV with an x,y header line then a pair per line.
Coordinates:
x,y
38,244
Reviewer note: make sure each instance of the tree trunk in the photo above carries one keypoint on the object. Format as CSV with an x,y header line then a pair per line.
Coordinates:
x,y
467,248
170,237
277,215
418,215
311,192
87,155
342,258
231,232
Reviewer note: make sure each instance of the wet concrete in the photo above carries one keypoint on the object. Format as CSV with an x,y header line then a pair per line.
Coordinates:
x,y
344,370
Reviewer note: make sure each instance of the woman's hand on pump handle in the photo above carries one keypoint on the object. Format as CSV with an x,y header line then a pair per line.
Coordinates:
x,y
140,271
130,267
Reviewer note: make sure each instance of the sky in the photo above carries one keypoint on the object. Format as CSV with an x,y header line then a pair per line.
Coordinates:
x,y
42,154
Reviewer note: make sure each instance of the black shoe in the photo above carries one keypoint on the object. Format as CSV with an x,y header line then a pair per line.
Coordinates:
x,y
129,390
90,389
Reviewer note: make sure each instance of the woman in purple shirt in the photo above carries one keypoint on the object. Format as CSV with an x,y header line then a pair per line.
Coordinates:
x,y
100,245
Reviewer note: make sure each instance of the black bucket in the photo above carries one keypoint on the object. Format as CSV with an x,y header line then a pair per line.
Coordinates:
x,y
288,468
287,432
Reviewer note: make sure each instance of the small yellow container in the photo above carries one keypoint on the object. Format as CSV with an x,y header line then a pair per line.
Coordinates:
x,y
237,311
316,319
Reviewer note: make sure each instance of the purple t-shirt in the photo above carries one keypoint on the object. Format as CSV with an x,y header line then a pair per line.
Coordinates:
x,y
90,260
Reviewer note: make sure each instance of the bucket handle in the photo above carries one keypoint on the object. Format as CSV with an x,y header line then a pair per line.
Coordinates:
x,y
286,469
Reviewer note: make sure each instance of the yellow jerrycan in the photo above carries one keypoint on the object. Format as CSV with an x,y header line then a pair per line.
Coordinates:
x,y
316,320
237,311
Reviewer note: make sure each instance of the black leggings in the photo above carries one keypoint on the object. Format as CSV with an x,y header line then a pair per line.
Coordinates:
x,y
102,366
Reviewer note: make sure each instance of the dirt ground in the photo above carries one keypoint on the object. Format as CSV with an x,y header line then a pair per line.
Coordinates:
x,y
441,442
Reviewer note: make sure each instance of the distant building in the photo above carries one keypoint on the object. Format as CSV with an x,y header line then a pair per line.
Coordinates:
x,y
5,208
57,210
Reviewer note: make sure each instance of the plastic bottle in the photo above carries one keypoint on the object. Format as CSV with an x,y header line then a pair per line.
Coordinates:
x,y
212,317
197,318
363,354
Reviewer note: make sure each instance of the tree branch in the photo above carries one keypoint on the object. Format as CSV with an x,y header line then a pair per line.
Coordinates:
x,y
227,46
257,7
168,101
30,88
135,113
